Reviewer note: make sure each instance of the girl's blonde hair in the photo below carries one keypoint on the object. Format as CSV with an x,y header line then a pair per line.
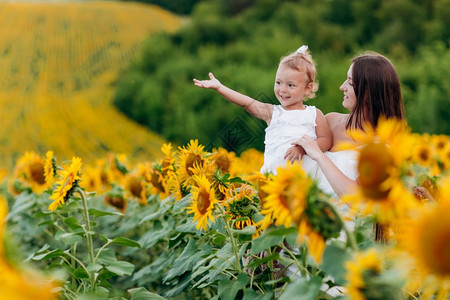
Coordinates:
x,y
302,61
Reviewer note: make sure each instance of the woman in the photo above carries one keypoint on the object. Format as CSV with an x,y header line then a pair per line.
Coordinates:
x,y
371,90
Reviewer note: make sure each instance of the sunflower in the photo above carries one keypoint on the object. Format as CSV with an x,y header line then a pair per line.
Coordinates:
x,y
221,185
425,236
286,195
290,201
189,157
3,213
3,174
259,180
366,279
444,157
382,156
203,202
223,160
90,179
67,183
318,223
248,162
155,176
168,162
440,141
117,201
50,168
118,166
175,187
30,169
240,206
97,177
423,153
313,239
136,188
24,284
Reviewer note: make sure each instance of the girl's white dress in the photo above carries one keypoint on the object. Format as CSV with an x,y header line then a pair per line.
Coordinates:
x,y
286,127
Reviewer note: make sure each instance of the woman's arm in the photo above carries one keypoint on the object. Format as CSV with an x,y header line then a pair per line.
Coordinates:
x,y
258,109
340,183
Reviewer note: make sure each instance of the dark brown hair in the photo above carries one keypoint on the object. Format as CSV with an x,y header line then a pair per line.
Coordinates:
x,y
377,90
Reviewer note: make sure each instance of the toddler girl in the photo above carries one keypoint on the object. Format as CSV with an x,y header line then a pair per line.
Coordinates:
x,y
287,122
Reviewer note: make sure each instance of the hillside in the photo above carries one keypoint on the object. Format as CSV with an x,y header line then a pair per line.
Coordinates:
x,y
58,63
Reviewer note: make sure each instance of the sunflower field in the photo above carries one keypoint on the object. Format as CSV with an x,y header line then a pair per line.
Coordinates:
x,y
58,62
194,224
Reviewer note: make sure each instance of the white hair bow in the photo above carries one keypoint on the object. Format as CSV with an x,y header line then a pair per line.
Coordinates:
x,y
302,49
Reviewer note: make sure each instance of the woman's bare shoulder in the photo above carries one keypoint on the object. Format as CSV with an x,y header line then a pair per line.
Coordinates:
x,y
334,117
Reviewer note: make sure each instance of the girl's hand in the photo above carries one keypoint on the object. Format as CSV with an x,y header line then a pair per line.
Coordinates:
x,y
310,146
212,83
294,153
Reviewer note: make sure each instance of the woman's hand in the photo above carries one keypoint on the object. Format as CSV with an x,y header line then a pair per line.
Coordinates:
x,y
294,153
310,146
212,83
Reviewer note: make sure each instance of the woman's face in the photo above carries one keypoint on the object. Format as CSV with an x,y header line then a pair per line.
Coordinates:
x,y
349,93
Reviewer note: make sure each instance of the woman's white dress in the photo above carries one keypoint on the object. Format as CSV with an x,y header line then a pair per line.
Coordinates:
x,y
346,161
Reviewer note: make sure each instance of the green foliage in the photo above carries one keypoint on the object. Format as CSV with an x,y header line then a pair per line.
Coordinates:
x,y
155,251
68,239
182,7
241,42
427,90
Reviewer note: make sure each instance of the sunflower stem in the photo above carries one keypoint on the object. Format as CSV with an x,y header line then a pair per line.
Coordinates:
x,y
304,271
72,263
270,263
89,242
232,240
301,266
350,237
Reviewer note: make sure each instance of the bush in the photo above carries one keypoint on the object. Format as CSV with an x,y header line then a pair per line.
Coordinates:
x,y
243,50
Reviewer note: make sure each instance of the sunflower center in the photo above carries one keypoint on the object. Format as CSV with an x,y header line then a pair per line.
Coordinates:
x,y
135,187
223,164
424,154
37,172
191,161
284,201
374,163
115,201
436,246
104,178
156,182
441,145
203,201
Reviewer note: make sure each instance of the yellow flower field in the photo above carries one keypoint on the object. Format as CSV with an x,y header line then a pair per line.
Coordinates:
x,y
231,231
58,65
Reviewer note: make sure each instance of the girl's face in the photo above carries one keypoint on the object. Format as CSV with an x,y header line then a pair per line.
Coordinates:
x,y
349,93
290,87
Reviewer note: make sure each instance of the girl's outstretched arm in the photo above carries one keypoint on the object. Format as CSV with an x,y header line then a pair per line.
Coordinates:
x,y
258,109
340,183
